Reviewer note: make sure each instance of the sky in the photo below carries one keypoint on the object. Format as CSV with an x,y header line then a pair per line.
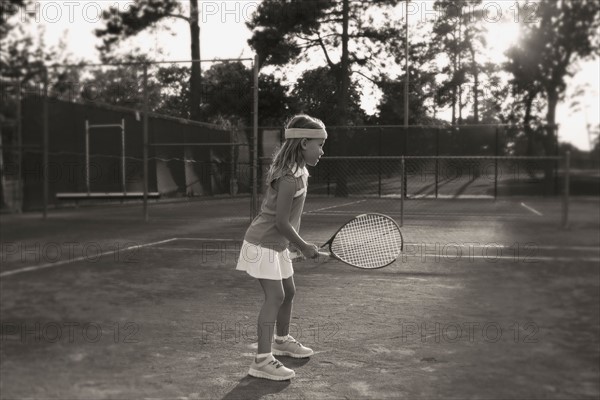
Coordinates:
x,y
224,35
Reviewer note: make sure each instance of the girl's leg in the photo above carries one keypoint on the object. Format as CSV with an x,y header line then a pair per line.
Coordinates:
x,y
288,347
274,297
284,316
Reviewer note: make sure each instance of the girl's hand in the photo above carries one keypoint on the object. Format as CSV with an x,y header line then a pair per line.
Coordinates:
x,y
310,251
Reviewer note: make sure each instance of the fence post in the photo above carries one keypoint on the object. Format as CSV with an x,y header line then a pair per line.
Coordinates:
x,y
379,166
402,190
45,133
404,182
232,174
565,202
557,151
437,160
145,145
123,161
254,200
19,200
496,166
87,157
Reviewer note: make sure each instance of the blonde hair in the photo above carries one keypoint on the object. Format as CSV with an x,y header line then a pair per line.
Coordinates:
x,y
290,152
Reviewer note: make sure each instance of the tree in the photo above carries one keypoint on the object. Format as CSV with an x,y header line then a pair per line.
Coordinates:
x,y
564,33
595,141
274,103
145,14
7,10
391,107
289,31
228,96
175,96
421,90
120,86
314,94
23,64
460,35
496,95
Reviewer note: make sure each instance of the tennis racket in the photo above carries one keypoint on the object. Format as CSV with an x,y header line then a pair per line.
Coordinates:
x,y
366,241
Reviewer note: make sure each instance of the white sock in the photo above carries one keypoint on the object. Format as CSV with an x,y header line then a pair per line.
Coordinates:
x,y
263,355
282,338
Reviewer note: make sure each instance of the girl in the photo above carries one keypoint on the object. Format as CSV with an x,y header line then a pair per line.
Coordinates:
x,y
264,254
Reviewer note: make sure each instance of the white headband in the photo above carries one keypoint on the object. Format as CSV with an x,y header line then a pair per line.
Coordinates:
x,y
300,133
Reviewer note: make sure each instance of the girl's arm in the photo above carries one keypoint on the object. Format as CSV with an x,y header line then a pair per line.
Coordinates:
x,y
285,196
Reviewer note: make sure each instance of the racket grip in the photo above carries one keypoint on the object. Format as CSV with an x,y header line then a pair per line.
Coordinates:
x,y
296,256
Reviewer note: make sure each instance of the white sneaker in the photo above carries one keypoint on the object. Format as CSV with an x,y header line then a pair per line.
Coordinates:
x,y
270,368
291,348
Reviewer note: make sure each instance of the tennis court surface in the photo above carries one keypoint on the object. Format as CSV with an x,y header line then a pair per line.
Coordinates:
x,y
490,300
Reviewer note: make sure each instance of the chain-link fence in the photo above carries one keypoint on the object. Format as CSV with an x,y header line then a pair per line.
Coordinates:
x,y
121,132
393,169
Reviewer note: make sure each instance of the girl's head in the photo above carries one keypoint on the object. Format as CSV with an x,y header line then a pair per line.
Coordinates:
x,y
304,140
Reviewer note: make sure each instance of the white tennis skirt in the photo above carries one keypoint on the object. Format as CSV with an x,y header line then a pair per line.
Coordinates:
x,y
263,263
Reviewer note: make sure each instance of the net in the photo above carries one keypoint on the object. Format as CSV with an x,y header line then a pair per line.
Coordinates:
x,y
368,241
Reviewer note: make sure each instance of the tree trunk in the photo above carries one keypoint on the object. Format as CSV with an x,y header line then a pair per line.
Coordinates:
x,y
344,70
454,106
459,49
530,134
195,77
550,140
475,72
454,68
527,125
341,189
196,97
552,103
476,97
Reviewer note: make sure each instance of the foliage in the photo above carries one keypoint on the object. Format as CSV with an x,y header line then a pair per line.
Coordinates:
x,y
228,94
565,32
146,14
314,94
421,91
291,31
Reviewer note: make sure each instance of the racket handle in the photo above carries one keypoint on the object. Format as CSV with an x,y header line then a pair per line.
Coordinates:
x,y
296,256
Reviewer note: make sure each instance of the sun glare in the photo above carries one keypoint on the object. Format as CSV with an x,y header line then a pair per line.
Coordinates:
x,y
500,37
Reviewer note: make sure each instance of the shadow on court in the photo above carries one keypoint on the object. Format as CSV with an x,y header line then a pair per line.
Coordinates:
x,y
254,389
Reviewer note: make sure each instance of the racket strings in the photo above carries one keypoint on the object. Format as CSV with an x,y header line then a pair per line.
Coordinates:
x,y
369,241
364,243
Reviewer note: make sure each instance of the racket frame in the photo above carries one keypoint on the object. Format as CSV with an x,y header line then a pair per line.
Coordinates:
x,y
330,241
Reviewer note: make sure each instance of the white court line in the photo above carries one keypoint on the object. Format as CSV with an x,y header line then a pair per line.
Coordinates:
x,y
533,210
339,205
196,249
593,249
469,245
532,259
522,246
419,215
210,239
56,264
520,259
353,213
